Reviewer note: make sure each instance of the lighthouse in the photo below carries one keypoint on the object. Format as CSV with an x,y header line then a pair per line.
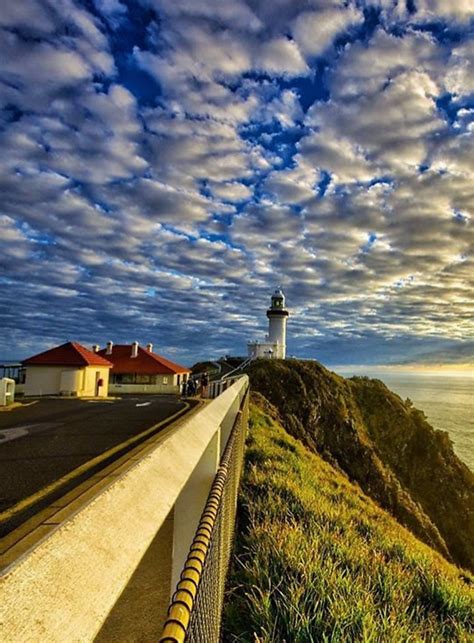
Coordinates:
x,y
277,315
274,345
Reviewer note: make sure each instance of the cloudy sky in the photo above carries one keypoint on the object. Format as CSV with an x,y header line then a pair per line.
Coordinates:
x,y
165,164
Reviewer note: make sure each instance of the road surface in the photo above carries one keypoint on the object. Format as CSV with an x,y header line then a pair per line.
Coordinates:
x,y
41,443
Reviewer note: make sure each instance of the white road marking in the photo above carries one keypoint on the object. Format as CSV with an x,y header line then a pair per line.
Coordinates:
x,y
12,434
143,404
100,401
6,435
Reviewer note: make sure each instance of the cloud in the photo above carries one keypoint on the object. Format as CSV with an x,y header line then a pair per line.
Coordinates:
x,y
261,225
23,61
384,115
425,11
177,161
365,69
28,15
461,10
314,31
460,71
41,59
229,13
336,155
114,10
280,56
94,140
158,203
292,186
231,191
456,154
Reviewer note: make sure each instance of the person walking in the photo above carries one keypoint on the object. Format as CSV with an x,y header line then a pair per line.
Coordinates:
x,y
204,384
191,389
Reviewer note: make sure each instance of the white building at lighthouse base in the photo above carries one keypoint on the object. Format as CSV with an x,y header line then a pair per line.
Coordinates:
x,y
262,349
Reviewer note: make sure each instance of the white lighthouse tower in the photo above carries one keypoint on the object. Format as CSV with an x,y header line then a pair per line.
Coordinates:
x,y
275,344
277,316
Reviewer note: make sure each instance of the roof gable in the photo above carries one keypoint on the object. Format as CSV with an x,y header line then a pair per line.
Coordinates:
x,y
68,354
145,362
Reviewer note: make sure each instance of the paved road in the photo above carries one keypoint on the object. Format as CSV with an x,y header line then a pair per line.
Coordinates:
x,y
42,442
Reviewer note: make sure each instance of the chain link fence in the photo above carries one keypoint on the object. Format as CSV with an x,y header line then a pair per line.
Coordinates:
x,y
195,612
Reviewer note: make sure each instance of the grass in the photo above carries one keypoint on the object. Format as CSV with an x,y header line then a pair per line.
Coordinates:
x,y
317,560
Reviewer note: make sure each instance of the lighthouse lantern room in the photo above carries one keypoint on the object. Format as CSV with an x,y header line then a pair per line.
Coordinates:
x,y
275,344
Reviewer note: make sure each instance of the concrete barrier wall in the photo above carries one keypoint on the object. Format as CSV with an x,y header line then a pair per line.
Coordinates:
x,y
65,587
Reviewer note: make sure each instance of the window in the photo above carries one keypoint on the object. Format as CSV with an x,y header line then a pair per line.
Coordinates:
x,y
145,379
178,382
165,379
128,378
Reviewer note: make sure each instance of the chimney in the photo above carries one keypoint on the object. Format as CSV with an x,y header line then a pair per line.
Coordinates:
x,y
134,349
149,348
95,348
109,348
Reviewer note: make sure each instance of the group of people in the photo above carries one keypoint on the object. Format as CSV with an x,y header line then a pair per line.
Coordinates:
x,y
192,386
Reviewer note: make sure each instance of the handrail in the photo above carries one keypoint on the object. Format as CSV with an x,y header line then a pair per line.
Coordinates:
x,y
238,368
210,533
216,387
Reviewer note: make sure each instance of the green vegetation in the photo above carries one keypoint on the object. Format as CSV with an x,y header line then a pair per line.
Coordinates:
x,y
317,560
382,443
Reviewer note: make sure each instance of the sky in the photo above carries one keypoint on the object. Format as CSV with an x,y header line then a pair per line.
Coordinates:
x,y
166,164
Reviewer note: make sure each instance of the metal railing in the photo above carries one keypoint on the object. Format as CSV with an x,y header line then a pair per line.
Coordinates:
x,y
195,612
216,387
239,368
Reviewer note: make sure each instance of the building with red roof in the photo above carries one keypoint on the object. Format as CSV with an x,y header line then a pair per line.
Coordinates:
x,y
70,369
139,370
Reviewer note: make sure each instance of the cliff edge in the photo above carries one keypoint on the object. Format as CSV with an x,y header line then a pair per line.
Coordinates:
x,y
382,443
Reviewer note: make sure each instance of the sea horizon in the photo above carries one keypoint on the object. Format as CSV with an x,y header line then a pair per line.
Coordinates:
x,y
442,369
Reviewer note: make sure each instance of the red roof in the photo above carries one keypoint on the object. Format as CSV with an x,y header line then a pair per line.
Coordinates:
x,y
68,354
144,363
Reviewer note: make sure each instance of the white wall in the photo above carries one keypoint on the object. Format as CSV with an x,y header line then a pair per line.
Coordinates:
x,y
89,383
71,381
277,334
57,380
261,349
43,380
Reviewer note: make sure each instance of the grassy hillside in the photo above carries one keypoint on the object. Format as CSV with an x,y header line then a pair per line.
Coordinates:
x,y
381,442
317,560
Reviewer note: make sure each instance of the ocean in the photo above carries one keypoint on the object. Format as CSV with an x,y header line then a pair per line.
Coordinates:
x,y
446,400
